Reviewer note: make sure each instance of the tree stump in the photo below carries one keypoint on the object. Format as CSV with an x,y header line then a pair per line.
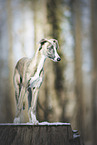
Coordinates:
x,y
42,134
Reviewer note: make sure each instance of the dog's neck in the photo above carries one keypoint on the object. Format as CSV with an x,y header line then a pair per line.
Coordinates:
x,y
38,61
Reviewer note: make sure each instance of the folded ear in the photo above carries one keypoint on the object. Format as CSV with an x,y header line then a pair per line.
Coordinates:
x,y
42,42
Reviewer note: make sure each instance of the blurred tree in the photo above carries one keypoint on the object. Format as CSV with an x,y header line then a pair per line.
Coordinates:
x,y
83,67
10,105
78,65
94,52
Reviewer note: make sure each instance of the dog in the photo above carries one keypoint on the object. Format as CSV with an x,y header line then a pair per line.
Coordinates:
x,y
28,77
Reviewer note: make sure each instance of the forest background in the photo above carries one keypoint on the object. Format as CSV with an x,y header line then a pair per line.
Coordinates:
x,y
69,90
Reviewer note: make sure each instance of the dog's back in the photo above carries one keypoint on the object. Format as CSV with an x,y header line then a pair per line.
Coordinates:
x,y
20,66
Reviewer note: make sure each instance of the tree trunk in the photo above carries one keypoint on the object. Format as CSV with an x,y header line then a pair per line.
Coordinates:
x,y
42,134
10,98
78,66
94,48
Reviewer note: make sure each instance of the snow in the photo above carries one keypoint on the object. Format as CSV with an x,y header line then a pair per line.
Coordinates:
x,y
39,124
54,123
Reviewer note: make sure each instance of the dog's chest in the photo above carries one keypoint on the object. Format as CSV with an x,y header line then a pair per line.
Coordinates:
x,y
37,79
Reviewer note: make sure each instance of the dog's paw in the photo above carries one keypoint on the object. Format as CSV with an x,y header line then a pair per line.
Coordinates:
x,y
16,120
33,119
33,122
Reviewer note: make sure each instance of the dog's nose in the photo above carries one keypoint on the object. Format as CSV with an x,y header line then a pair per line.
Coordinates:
x,y
58,59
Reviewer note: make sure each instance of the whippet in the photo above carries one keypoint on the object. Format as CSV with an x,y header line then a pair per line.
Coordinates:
x,y
28,77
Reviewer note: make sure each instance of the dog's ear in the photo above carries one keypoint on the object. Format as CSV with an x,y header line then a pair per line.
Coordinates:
x,y
42,42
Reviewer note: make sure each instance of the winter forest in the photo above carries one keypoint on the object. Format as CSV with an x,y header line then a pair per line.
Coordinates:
x,y
69,89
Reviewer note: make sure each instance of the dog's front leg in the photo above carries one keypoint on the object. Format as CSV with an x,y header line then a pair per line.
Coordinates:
x,y
20,101
32,109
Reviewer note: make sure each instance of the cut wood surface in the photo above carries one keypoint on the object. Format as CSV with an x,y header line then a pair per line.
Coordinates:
x,y
41,134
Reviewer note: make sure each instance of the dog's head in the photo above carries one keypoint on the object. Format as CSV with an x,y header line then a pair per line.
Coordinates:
x,y
49,49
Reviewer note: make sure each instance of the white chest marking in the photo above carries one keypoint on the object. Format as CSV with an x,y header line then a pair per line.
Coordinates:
x,y
36,80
